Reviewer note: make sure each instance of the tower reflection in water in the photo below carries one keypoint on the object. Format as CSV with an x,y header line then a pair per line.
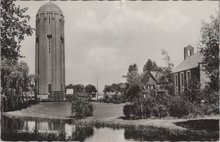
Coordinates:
x,y
18,129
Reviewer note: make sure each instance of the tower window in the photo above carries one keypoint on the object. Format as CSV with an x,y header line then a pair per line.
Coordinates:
x,y
49,88
49,18
49,44
37,39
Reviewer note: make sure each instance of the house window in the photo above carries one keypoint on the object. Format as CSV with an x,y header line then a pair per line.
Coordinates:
x,y
188,76
189,53
176,82
182,81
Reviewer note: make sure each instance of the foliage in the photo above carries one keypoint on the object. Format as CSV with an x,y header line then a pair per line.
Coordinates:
x,y
14,26
167,59
81,105
15,83
159,111
133,77
90,89
209,46
180,107
150,66
192,91
120,87
128,111
79,88
114,98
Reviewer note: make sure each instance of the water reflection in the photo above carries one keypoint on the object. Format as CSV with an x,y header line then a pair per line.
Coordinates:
x,y
58,130
18,129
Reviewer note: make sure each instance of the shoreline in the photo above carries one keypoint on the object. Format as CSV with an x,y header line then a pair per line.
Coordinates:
x,y
115,121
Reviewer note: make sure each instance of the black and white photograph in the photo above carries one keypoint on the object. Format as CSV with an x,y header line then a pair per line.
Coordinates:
x,y
109,71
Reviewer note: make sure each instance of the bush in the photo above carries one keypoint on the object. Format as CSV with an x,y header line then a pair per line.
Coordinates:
x,y
81,106
128,111
180,107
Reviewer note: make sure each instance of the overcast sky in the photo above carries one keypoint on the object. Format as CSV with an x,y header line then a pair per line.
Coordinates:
x,y
103,38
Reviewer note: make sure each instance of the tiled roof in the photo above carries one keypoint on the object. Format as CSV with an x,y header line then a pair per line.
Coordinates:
x,y
190,62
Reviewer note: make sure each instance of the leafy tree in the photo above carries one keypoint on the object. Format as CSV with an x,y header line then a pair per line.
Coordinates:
x,y
167,77
192,91
150,66
90,89
14,26
209,46
167,59
14,82
79,88
133,75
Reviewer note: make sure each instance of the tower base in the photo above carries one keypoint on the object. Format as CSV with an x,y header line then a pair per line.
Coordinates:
x,y
56,96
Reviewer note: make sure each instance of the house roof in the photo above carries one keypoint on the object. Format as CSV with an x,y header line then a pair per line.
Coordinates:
x,y
151,77
189,63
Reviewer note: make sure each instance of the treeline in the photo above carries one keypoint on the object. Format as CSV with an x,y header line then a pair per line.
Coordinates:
x,y
15,80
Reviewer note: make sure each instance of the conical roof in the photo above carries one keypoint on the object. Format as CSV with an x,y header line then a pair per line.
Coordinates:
x,y
49,7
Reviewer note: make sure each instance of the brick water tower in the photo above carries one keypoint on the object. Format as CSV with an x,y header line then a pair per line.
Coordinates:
x,y
50,52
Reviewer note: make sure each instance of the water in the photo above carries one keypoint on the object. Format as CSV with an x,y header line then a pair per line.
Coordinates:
x,y
60,130
19,129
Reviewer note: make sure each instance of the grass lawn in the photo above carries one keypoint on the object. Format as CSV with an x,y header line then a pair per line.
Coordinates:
x,y
61,110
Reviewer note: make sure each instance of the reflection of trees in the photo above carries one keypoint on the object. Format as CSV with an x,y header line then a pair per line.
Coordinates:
x,y
11,125
81,133
12,130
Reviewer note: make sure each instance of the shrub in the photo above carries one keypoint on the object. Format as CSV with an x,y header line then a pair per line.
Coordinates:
x,y
81,106
128,111
180,107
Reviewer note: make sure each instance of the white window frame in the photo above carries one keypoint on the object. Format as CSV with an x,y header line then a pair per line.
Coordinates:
x,y
176,82
188,76
181,81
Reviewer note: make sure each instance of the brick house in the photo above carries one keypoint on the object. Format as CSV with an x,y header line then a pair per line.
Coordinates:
x,y
190,67
151,81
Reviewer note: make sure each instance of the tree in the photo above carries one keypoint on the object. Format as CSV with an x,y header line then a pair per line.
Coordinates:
x,y
14,82
150,66
79,88
14,26
90,89
209,46
33,82
167,78
133,76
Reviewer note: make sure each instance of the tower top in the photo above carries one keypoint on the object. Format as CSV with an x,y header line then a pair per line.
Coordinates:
x,y
49,6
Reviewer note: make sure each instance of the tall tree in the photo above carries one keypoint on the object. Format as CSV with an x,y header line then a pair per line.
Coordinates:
x,y
209,46
79,88
133,75
14,82
167,59
14,27
90,89
150,66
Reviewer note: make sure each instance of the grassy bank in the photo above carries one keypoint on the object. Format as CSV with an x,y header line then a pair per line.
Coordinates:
x,y
103,115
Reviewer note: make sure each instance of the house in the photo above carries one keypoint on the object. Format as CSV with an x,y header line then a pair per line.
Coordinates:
x,y
189,68
151,81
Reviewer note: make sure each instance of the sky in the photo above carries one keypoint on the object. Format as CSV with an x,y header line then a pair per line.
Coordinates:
x,y
103,38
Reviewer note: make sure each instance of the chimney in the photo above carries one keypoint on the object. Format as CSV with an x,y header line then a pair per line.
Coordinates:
x,y
188,51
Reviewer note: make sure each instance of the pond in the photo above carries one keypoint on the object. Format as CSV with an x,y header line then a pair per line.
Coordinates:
x,y
60,130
